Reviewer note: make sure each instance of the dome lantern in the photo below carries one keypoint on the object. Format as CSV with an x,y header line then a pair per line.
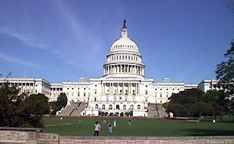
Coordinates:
x,y
124,31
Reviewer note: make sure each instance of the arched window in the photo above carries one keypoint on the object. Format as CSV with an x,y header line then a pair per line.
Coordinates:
x,y
103,107
96,106
138,107
117,107
110,107
124,107
131,107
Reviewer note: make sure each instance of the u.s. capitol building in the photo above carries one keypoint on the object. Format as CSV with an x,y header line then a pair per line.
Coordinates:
x,y
123,87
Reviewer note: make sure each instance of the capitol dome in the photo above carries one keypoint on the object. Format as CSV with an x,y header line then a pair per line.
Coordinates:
x,y
124,43
124,58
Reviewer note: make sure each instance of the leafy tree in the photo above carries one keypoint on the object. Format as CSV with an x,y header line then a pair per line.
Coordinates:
x,y
225,72
61,102
218,101
21,110
9,102
183,103
225,75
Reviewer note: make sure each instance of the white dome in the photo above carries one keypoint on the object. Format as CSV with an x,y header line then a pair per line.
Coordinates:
x,y
124,44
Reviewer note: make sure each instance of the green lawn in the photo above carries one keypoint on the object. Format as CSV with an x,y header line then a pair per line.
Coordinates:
x,y
140,127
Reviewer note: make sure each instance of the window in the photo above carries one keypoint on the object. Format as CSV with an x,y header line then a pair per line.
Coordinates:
x,y
138,107
84,88
146,85
124,107
110,107
146,92
103,107
96,106
126,92
131,107
84,94
95,99
160,95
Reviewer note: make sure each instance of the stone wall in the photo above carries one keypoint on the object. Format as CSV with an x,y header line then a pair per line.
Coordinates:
x,y
19,137
22,137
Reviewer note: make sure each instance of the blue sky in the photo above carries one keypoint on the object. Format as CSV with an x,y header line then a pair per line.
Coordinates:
x,y
65,40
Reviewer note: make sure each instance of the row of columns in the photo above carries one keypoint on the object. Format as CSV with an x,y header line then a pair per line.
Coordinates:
x,y
131,69
120,88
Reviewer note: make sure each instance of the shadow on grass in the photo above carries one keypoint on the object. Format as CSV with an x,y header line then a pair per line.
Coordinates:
x,y
207,132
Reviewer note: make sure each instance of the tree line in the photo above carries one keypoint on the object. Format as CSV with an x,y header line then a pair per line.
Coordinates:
x,y
214,102
24,110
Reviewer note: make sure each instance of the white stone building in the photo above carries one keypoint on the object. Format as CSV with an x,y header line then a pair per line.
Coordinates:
x,y
208,84
29,85
123,87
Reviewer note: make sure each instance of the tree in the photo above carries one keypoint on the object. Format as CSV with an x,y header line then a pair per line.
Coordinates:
x,y
218,101
33,108
9,104
225,72
183,103
61,102
225,75
21,110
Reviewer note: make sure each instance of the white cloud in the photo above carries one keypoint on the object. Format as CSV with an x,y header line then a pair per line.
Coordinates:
x,y
26,39
18,61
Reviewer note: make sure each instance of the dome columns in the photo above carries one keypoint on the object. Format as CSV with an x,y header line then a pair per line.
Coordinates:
x,y
124,69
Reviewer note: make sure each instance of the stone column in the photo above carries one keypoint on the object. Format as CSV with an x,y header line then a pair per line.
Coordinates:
x,y
130,88
117,89
123,89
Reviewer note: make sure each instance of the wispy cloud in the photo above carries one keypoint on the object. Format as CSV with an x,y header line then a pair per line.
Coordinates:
x,y
18,61
26,39
84,37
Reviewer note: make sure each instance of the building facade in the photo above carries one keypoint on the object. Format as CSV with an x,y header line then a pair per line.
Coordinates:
x,y
123,87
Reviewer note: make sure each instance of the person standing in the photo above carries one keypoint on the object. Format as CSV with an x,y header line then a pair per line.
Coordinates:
x,y
97,128
114,123
213,121
110,127
130,122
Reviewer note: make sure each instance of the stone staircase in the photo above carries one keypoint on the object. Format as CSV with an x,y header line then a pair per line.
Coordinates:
x,y
161,111
152,110
77,111
67,111
156,110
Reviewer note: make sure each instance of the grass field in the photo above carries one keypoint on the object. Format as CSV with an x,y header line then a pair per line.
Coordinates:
x,y
140,127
